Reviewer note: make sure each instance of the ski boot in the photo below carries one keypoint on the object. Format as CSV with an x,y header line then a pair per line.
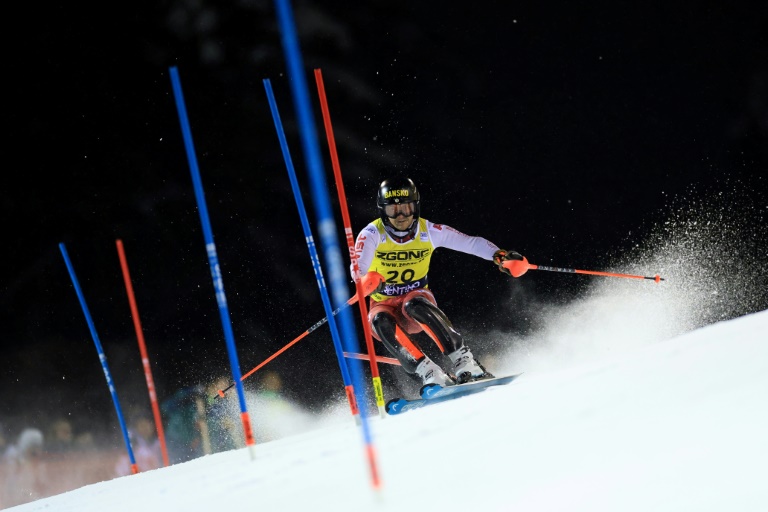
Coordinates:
x,y
431,373
466,368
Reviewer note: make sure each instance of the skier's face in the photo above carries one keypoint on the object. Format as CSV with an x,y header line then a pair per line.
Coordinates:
x,y
400,215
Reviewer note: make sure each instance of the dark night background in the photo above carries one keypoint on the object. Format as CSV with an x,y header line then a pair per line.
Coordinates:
x,y
553,128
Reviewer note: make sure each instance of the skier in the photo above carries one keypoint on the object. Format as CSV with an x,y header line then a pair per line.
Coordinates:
x,y
399,245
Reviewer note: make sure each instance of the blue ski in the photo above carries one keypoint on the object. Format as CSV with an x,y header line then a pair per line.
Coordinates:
x,y
433,393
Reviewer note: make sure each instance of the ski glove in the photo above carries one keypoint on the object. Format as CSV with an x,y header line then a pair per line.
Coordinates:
x,y
500,256
371,281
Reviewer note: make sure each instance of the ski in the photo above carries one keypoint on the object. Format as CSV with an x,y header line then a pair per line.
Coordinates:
x,y
434,393
400,405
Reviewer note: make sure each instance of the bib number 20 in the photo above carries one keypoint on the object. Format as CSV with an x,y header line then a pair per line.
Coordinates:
x,y
405,277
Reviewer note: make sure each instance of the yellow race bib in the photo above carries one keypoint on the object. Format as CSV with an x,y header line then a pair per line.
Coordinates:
x,y
404,266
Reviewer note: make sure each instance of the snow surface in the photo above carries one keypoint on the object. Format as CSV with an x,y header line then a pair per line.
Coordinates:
x,y
674,425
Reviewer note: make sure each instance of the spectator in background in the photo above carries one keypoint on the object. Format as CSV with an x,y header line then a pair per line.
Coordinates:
x,y
225,429
3,448
25,470
186,432
28,447
60,438
3,442
145,446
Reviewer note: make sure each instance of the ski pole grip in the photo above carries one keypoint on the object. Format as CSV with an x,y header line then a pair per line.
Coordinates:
x,y
370,282
517,267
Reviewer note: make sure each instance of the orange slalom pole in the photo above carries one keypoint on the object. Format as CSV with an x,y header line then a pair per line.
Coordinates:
x,y
143,350
519,267
378,390
368,285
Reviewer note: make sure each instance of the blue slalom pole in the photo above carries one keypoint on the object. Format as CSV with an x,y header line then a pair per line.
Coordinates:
x,y
310,242
102,356
213,259
322,203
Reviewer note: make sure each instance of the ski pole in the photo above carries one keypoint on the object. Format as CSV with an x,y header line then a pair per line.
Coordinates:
x,y
369,283
366,357
519,267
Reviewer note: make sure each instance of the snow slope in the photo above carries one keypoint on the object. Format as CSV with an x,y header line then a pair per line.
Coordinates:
x,y
677,425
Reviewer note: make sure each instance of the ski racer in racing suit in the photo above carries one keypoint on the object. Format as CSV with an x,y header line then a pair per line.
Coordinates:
x,y
399,246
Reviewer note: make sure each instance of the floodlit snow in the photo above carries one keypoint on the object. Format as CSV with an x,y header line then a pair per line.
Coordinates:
x,y
673,425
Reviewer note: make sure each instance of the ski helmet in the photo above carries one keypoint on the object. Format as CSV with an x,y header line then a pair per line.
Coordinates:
x,y
397,191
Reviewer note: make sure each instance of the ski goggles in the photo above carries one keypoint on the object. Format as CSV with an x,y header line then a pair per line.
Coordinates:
x,y
395,210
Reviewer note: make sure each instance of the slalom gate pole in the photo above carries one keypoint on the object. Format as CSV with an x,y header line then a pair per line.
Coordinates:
x,y
143,351
377,388
352,300
102,357
519,267
348,385
326,225
213,259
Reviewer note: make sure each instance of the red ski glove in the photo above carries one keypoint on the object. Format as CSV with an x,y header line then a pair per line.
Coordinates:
x,y
370,281
500,256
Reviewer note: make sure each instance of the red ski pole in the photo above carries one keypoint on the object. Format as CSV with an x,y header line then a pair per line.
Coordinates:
x,y
519,267
366,357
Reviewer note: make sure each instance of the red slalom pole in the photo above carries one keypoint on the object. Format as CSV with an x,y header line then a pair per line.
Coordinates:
x,y
377,387
519,267
143,350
